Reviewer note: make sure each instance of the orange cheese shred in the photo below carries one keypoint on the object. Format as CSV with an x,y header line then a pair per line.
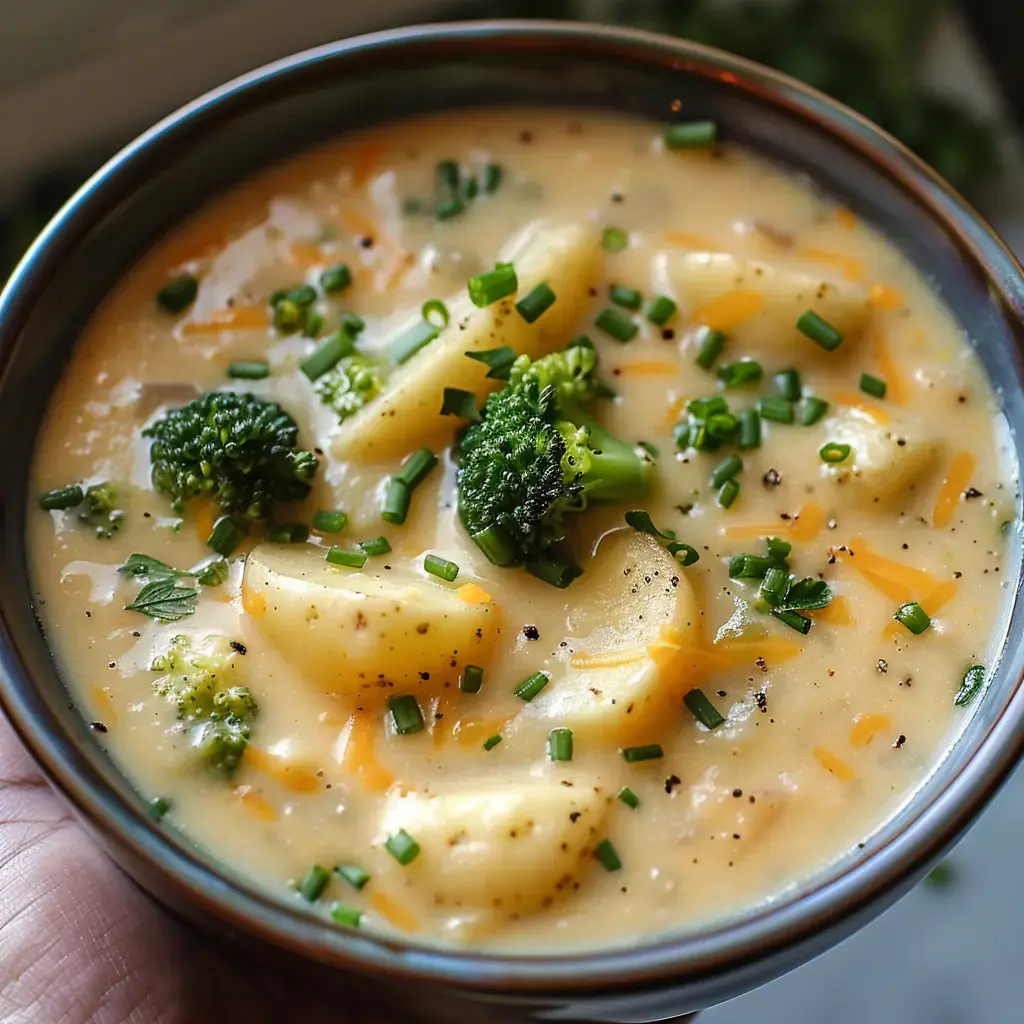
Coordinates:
x,y
837,612
306,255
357,223
255,803
365,160
956,482
882,296
851,267
103,701
805,525
359,757
237,318
846,218
470,732
917,581
840,769
253,601
473,594
898,592
932,603
867,727
290,776
745,652
729,310
855,400
690,241
896,389
394,913
675,409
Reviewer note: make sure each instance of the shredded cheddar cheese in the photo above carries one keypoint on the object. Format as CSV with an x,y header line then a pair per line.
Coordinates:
x,y
729,310
359,757
867,727
840,769
393,912
956,482
237,318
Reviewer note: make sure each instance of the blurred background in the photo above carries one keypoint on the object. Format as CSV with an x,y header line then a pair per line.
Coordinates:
x,y
79,79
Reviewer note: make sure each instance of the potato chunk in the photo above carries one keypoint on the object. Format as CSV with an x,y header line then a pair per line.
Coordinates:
x,y
407,412
635,614
363,632
509,848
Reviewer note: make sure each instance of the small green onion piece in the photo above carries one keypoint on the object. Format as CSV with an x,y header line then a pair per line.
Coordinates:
x,y
650,752
492,741
346,916
313,883
448,208
441,567
787,383
225,536
302,295
614,240
406,715
327,354
288,533
750,429
703,408
794,620
471,679
460,403
413,205
684,554
497,360
375,546
447,177
493,174
416,468
178,294
537,302
913,616
352,325
777,547
402,847
660,310
62,498
702,709
288,316
607,855
252,370
749,567
725,470
873,386
807,595
496,544
435,312
728,493
774,586
159,807
810,410
618,325
326,521
470,188
691,135
336,279
629,798
641,521
486,289
356,876
558,572
973,681
819,330
833,453
722,426
531,686
734,375
560,744
343,556
397,500
778,410
628,298
314,325
711,345
406,345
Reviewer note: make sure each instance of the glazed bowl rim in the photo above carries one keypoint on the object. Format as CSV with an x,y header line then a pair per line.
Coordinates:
x,y
839,892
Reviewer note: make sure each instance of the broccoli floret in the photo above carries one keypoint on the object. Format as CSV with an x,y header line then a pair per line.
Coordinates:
x,y
236,448
538,455
350,385
99,509
201,681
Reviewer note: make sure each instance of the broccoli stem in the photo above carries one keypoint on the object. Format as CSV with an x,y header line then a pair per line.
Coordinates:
x,y
615,471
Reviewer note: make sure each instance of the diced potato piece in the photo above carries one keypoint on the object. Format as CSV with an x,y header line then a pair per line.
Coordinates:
x,y
884,459
634,614
509,848
407,412
363,632
761,302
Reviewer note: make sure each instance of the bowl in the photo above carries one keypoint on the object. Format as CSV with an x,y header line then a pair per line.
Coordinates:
x,y
280,109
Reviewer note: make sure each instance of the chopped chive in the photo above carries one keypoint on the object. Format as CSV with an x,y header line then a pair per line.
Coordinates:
x,y
536,302
486,289
471,679
749,567
470,187
356,876
416,468
711,345
808,594
62,498
649,752
777,547
531,686
833,453
722,426
179,293
794,620
375,546
225,536
750,429
728,493
314,325
352,325
327,354
774,586
313,883
326,521
560,744
607,855
725,470
159,807
810,410
460,403
447,177
628,298
435,312
288,316
558,572
702,408
302,295
343,556
402,847
702,709
913,616
348,917
407,344
492,741
660,310
498,360
406,715
973,681
778,410
397,500
641,521
252,370
873,386
335,279
691,135
441,567
629,798
787,383
684,554
618,325
448,208
493,174
734,375
288,533
819,330
614,240
496,544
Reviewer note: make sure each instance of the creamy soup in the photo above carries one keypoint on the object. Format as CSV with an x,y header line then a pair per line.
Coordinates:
x,y
676,618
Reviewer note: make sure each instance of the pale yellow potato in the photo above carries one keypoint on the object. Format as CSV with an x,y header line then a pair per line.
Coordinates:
x,y
406,414
635,616
364,633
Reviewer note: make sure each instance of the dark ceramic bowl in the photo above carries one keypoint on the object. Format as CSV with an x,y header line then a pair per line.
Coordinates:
x,y
279,109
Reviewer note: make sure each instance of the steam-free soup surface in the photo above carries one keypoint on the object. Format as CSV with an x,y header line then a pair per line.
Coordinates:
x,y
606,808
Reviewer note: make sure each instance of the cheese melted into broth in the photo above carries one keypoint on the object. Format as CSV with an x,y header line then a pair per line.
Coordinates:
x,y
825,733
